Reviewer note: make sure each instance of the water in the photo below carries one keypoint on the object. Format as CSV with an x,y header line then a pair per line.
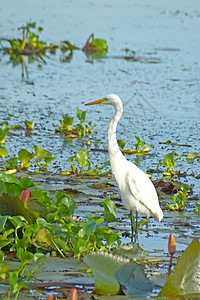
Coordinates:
x,y
161,100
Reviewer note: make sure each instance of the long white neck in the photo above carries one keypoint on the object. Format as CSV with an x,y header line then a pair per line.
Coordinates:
x,y
115,153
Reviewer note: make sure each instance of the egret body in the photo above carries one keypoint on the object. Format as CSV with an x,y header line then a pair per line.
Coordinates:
x,y
136,189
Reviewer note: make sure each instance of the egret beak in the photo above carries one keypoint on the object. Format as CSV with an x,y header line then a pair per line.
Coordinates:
x,y
97,101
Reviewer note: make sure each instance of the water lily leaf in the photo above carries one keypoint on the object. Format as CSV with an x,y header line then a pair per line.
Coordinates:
x,y
128,250
104,266
11,205
185,279
133,280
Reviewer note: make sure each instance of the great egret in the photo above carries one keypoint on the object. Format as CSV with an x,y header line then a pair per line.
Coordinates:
x,y
136,189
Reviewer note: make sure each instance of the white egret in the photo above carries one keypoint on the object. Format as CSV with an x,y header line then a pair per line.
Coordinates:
x,y
136,189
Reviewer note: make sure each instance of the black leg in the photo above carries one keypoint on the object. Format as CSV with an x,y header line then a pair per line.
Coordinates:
x,y
136,225
132,225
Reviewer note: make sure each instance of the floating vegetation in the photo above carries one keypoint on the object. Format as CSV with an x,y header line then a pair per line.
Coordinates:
x,y
81,129
41,157
31,47
169,163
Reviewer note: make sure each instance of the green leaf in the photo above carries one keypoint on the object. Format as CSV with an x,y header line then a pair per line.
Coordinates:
x,y
109,206
29,124
3,152
185,279
24,256
190,157
104,266
121,143
13,282
11,205
25,156
44,237
82,157
8,178
26,183
3,220
3,133
12,164
36,207
100,44
133,280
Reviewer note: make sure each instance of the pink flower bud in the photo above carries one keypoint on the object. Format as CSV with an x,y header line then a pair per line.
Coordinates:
x,y
73,294
25,194
49,297
171,244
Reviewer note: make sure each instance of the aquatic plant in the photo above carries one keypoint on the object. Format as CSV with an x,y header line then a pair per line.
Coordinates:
x,y
38,223
32,47
171,250
80,164
95,48
81,129
4,131
169,163
29,124
180,197
140,147
42,158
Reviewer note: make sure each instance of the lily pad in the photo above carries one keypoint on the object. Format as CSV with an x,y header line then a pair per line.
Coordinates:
x,y
185,279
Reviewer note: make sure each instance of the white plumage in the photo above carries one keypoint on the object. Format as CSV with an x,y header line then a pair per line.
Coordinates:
x,y
136,189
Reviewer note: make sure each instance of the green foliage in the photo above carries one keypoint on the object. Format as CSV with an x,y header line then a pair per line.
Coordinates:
x,y
80,164
197,208
29,124
16,278
180,197
115,273
169,163
42,158
192,156
4,131
185,280
110,210
139,147
47,224
81,129
95,47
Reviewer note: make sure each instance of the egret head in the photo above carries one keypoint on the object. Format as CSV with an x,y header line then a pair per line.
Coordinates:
x,y
110,99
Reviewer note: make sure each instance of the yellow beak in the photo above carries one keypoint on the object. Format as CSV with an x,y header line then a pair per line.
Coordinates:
x,y
97,101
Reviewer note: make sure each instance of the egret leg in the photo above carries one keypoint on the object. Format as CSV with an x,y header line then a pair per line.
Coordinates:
x,y
132,225
136,226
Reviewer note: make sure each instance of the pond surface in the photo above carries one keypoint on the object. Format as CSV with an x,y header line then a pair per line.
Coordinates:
x,y
160,93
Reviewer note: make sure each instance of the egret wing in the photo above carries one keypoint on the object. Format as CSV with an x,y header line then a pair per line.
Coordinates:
x,y
142,188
